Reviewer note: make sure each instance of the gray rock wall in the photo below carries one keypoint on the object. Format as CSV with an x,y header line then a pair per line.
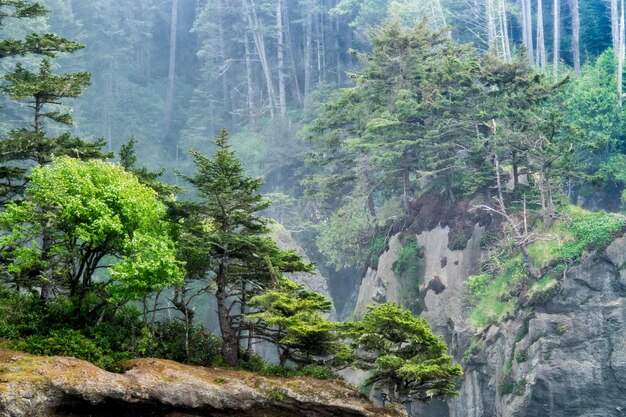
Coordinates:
x,y
566,358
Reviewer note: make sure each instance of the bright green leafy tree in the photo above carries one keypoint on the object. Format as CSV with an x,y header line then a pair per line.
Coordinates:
x,y
89,230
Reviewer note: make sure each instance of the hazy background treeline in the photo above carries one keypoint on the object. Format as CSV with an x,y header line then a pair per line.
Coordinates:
x,y
171,73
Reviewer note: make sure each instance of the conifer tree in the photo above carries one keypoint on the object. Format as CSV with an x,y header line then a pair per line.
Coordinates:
x,y
44,92
242,259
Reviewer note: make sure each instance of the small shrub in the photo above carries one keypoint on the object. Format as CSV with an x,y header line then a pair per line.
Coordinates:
x,y
521,356
507,386
507,368
219,380
458,243
276,394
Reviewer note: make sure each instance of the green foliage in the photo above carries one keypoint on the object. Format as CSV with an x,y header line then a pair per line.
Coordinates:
x,y
346,237
225,227
95,215
406,267
491,292
291,318
408,359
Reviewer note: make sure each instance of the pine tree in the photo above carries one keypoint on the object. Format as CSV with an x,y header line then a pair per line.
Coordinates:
x,y
243,259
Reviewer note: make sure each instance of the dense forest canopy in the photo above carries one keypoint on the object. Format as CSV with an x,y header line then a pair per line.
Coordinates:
x,y
352,112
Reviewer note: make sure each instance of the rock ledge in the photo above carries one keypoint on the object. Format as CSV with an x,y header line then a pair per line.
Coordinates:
x,y
62,386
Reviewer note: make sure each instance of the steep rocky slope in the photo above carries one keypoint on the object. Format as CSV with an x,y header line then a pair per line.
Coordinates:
x,y
566,357
59,386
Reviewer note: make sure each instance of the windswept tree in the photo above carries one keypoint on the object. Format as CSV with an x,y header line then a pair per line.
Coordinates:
x,y
292,318
406,360
45,93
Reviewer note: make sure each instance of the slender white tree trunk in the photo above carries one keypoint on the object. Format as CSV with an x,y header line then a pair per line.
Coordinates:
x,y
620,57
527,29
556,47
169,99
280,49
614,25
504,30
573,5
491,26
541,44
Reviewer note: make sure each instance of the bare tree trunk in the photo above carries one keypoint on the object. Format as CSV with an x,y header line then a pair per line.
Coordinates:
x,y
527,29
491,26
573,6
308,44
338,50
541,44
280,48
294,71
620,58
249,82
169,100
504,30
556,47
254,26
222,39
614,26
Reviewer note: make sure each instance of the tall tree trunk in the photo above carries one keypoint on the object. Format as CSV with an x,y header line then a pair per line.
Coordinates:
x,y
338,68
491,26
527,29
541,44
556,47
614,25
226,99
292,59
573,6
620,58
249,81
280,50
254,26
504,30
308,45
230,345
169,100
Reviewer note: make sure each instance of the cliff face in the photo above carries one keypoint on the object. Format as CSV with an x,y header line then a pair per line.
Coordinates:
x,y
59,386
566,357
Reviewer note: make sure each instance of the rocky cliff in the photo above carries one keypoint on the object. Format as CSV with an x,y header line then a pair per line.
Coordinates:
x,y
59,386
566,357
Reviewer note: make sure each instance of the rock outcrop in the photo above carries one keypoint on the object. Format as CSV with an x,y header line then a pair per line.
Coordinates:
x,y
567,358
60,386
563,358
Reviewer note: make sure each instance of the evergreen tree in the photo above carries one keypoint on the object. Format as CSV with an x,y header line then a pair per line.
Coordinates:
x,y
291,318
44,92
405,359
243,259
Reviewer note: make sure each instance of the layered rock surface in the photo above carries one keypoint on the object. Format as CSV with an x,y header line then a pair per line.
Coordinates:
x,y
60,386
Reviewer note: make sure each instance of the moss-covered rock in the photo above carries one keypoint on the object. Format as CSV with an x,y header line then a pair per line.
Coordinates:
x,y
57,386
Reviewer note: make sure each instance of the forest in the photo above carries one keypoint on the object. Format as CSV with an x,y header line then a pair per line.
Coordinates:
x,y
152,151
